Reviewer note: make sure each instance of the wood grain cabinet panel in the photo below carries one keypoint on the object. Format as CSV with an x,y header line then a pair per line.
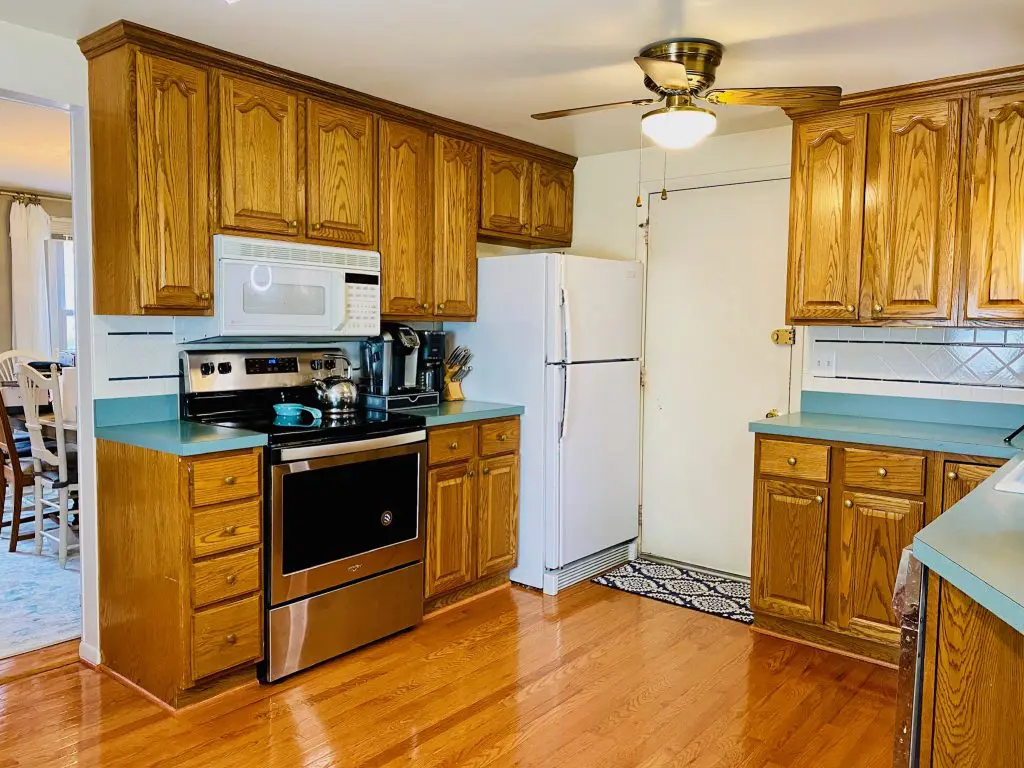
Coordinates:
x,y
801,461
225,527
911,212
406,219
960,478
884,470
222,478
874,531
451,501
505,192
552,203
227,635
788,568
341,174
995,161
175,262
498,524
827,217
259,172
456,206
499,436
224,577
451,444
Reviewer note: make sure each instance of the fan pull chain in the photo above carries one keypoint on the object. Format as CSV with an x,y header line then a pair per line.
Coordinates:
x,y
664,178
640,170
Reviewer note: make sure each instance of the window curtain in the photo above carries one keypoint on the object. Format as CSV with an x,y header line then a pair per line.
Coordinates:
x,y
30,318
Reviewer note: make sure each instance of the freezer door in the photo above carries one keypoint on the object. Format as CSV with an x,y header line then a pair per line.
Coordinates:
x,y
595,309
595,447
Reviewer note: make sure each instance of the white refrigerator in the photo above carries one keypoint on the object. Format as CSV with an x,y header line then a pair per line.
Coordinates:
x,y
561,335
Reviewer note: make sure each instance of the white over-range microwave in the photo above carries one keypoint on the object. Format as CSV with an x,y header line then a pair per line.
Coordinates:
x,y
268,288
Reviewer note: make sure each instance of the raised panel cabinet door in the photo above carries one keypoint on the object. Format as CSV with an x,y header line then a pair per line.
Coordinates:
x,y
259,172
406,219
911,211
498,522
175,261
341,174
826,217
505,182
451,556
552,203
788,569
456,205
873,532
995,161
959,479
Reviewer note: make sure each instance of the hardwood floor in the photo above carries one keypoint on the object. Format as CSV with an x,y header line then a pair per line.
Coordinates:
x,y
32,663
595,677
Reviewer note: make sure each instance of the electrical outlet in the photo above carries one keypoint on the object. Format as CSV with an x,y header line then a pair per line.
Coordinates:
x,y
823,363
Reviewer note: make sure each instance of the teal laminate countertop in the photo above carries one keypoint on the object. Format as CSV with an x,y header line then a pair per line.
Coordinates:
x,y
978,546
897,433
182,438
459,411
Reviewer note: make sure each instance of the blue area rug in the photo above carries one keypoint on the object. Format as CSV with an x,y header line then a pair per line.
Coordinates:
x,y
40,603
700,591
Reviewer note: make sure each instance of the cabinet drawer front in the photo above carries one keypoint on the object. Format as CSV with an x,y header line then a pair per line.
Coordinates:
x,y
219,529
451,444
499,437
225,478
226,636
224,577
882,471
806,461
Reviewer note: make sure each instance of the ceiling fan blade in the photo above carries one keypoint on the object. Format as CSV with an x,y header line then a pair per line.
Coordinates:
x,y
592,108
815,96
670,75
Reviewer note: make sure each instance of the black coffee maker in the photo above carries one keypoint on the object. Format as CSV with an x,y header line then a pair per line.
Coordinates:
x,y
431,365
391,361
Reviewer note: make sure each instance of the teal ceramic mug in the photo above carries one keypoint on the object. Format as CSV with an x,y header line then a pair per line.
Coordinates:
x,y
293,411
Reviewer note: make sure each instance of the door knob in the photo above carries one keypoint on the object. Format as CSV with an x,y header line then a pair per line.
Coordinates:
x,y
293,223
231,639
878,307
205,296
487,470
882,472
424,306
848,504
230,530
819,499
850,308
229,480
453,447
772,414
318,225
791,461
952,475
440,307
471,473
231,578
502,438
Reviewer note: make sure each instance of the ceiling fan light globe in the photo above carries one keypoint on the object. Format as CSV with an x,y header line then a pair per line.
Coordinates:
x,y
678,127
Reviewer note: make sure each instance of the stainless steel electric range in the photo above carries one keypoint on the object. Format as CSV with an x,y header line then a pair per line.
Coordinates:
x,y
344,503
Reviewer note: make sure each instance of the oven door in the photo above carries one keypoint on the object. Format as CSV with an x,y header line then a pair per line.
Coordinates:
x,y
279,299
342,517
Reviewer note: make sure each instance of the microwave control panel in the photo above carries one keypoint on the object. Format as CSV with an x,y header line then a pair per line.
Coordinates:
x,y
362,305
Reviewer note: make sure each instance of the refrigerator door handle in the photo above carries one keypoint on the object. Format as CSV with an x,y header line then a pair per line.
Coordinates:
x,y
565,401
566,323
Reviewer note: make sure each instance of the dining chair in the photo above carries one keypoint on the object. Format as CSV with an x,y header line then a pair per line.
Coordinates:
x,y
9,362
16,461
54,467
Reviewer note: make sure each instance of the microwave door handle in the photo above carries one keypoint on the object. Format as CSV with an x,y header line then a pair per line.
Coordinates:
x,y
337,302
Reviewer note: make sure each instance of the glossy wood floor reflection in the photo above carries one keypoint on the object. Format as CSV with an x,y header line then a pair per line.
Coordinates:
x,y
595,677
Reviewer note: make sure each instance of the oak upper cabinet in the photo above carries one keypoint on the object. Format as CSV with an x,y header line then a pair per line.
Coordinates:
x,y
406,219
505,193
451,501
995,221
341,174
259,171
498,525
788,564
456,207
827,217
149,139
552,203
911,211
175,263
874,531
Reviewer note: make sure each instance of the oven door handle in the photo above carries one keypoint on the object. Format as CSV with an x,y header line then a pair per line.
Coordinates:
x,y
344,449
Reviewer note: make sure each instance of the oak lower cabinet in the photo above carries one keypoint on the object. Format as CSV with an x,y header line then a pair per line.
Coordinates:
x,y
181,579
472,508
830,523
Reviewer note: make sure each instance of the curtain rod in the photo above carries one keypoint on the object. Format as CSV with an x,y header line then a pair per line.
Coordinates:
x,y
31,195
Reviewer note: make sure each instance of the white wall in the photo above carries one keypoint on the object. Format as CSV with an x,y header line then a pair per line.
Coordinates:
x,y
605,216
41,65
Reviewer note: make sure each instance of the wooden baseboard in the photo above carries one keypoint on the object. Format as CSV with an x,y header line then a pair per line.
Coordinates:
x,y
228,682
36,662
435,605
883,654
137,688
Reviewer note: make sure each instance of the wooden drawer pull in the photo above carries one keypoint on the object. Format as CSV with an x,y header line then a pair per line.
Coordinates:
x,y
791,461
952,475
453,447
231,639
230,530
231,578
882,472
502,438
229,480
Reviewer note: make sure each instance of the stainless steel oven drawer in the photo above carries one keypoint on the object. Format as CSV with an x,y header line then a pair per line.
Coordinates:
x,y
318,628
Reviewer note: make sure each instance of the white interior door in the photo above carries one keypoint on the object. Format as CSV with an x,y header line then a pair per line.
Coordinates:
x,y
716,289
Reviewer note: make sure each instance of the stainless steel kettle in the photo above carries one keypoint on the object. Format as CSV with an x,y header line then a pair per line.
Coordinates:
x,y
337,391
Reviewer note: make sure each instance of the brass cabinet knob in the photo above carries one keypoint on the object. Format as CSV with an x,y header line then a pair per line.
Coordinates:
x,y
882,472
230,530
318,225
424,306
231,578
294,223
205,295
471,473
952,475
453,447
850,308
229,480
878,307
819,499
791,461
486,470
231,639
440,307
848,504
502,438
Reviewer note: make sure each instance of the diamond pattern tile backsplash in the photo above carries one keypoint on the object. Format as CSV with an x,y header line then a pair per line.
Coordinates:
x,y
984,357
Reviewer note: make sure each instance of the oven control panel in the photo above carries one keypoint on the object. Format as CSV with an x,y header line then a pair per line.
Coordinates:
x,y
232,370
257,365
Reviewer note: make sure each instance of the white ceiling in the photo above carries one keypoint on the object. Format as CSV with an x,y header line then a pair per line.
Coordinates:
x,y
35,148
493,62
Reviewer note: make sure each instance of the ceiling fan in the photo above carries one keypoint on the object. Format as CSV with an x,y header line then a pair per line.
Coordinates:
x,y
682,70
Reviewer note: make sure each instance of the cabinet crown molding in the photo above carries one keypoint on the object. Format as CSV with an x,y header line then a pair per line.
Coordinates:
x,y
197,54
